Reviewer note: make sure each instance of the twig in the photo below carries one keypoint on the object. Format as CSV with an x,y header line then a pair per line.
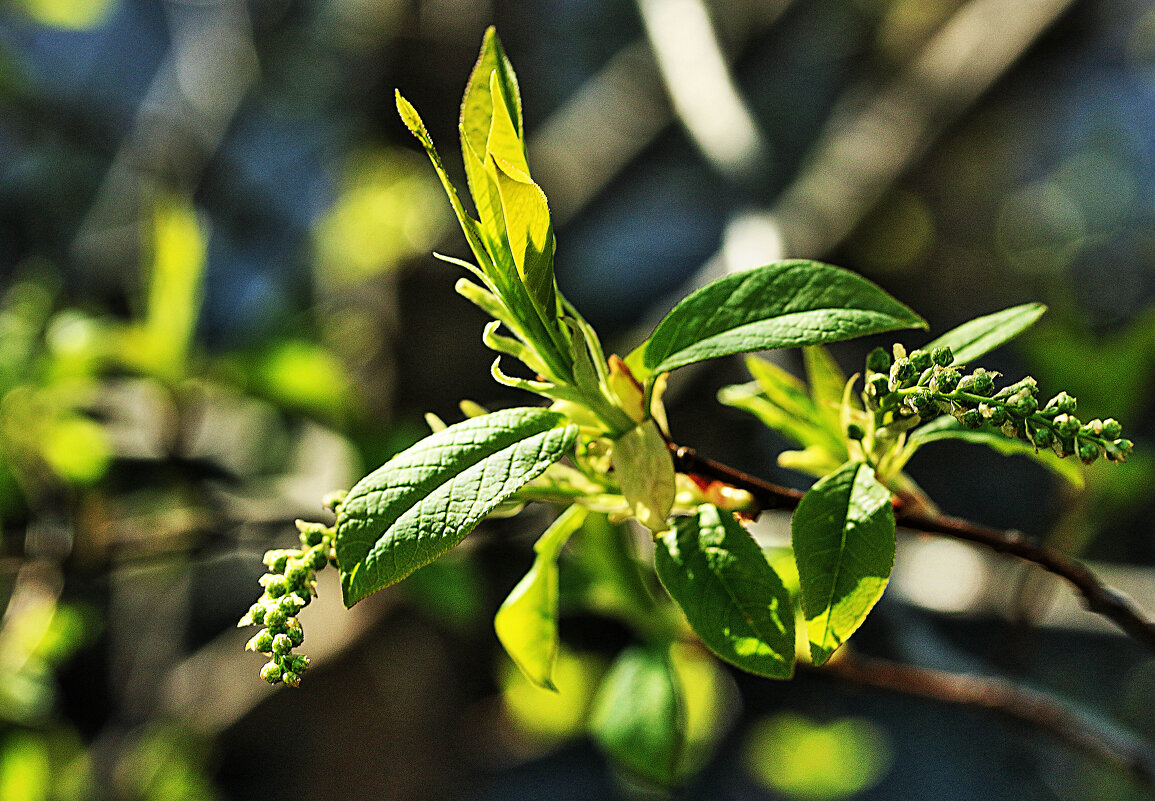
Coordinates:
x,y
1003,699
1100,599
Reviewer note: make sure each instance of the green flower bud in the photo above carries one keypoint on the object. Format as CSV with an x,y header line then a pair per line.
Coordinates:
x,y
304,596
1112,428
282,644
1088,451
296,576
275,560
290,678
980,382
296,634
1119,450
261,642
271,672
274,585
255,615
946,380
276,618
942,356
921,360
311,533
1022,403
922,401
972,419
902,372
298,663
1063,402
855,432
1043,437
316,558
1066,425
878,361
290,604
994,413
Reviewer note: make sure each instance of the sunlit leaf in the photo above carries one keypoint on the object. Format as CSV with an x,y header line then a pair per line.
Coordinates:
x,y
732,598
983,334
786,304
637,716
426,499
644,471
843,537
526,623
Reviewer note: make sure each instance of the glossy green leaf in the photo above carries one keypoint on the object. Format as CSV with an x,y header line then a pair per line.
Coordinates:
x,y
644,471
424,501
526,623
827,384
782,305
843,538
948,428
732,598
983,334
637,716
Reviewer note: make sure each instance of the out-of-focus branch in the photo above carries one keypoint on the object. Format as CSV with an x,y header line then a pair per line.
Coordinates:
x,y
700,85
1003,699
1100,598
863,152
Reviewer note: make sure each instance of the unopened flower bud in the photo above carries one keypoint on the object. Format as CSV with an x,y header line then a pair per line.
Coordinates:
x,y
276,618
994,413
877,386
1066,425
878,361
1043,436
1088,451
282,644
946,380
902,372
1063,402
296,576
290,604
311,533
1119,450
1112,428
921,359
298,663
922,401
261,642
316,557
972,419
942,356
980,382
1022,403
290,678
271,672
275,560
855,432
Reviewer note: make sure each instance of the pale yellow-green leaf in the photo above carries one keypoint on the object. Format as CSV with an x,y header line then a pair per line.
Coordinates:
x,y
645,473
526,623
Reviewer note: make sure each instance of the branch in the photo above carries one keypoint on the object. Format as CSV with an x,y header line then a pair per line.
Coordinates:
x,y
1003,699
1099,598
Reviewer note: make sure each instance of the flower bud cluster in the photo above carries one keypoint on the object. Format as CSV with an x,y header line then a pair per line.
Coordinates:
x,y
289,586
909,389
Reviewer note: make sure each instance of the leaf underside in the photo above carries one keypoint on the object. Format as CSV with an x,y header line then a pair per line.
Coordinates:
x,y
426,499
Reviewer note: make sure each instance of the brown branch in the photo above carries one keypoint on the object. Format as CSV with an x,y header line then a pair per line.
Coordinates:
x,y
1100,598
1003,699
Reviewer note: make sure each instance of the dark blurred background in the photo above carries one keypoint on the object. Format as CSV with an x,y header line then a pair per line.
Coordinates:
x,y
219,303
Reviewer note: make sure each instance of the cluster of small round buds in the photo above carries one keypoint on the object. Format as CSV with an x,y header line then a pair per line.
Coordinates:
x,y
1062,404
288,588
946,380
942,356
902,373
980,382
921,359
878,361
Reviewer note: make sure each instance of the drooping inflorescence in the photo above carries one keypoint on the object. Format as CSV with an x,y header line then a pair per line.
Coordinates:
x,y
907,389
289,586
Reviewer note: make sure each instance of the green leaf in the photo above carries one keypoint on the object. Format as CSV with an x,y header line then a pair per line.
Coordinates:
x,y
732,598
827,385
983,334
637,716
782,305
424,501
644,471
843,537
948,428
526,624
